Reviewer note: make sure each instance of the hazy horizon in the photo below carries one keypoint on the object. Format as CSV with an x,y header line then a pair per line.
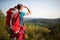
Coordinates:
x,y
49,9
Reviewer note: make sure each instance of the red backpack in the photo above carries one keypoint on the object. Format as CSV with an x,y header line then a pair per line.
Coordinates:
x,y
12,21
8,16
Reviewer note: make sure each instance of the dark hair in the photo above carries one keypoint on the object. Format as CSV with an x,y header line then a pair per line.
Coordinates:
x,y
19,6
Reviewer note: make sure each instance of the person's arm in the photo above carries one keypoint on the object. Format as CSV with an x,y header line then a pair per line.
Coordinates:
x,y
23,20
28,10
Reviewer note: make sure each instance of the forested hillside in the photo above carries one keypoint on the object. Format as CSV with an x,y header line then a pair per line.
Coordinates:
x,y
3,32
52,24
34,29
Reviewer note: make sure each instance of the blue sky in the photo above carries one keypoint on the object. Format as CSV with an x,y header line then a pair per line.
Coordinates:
x,y
39,8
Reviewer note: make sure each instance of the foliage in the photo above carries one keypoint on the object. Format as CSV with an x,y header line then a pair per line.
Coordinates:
x,y
3,32
35,32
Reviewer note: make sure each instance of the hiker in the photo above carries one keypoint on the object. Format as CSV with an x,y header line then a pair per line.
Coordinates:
x,y
14,22
21,16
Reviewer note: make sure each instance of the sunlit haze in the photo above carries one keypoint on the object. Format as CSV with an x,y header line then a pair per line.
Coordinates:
x,y
39,8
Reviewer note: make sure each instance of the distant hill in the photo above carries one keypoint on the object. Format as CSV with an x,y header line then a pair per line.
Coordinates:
x,y
42,21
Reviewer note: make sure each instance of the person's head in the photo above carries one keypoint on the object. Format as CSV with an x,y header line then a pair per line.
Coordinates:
x,y
19,6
